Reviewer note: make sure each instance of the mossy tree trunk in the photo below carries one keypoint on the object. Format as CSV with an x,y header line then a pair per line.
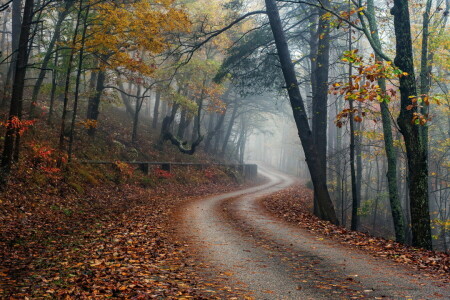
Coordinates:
x,y
414,142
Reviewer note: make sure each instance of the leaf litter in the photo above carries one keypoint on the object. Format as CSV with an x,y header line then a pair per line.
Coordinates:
x,y
112,240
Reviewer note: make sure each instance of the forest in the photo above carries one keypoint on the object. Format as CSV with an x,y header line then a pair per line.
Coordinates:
x,y
117,118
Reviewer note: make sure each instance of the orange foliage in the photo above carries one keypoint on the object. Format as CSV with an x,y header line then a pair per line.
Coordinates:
x,y
20,125
44,158
119,30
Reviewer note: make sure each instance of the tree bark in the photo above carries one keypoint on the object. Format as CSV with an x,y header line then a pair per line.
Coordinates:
x,y
16,27
326,207
137,110
94,101
414,142
425,68
16,23
17,91
320,70
391,152
355,222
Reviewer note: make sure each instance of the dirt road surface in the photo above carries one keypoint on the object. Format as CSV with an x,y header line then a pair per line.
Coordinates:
x,y
271,259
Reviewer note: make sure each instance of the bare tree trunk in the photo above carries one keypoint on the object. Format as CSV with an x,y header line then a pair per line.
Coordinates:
x,y
326,207
183,124
137,109
230,127
54,85
16,27
77,85
62,133
167,122
16,23
4,33
320,70
217,128
156,109
355,199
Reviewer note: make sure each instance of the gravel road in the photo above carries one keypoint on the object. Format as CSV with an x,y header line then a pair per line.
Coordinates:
x,y
271,259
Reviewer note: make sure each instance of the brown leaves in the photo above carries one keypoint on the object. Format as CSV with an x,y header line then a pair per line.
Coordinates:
x,y
112,241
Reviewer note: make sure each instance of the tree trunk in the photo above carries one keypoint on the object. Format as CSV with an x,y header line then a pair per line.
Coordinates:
x,y
425,69
62,133
217,139
183,124
16,27
326,207
156,109
43,69
391,152
17,91
355,223
137,110
77,85
167,123
54,86
4,34
16,23
355,199
94,101
217,128
230,127
414,142
211,118
358,154
320,95
125,95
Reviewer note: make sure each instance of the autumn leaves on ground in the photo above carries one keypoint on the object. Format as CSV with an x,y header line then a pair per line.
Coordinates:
x,y
114,115
100,231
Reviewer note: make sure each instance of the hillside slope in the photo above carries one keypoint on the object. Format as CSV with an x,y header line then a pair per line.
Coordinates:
x,y
99,230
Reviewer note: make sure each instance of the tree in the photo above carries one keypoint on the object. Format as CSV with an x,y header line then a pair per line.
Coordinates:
x,y
396,209
118,29
15,123
319,76
63,13
326,207
410,128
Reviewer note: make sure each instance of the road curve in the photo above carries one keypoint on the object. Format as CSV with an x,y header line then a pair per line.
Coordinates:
x,y
275,260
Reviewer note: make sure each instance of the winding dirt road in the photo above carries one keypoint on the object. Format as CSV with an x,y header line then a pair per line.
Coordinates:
x,y
274,260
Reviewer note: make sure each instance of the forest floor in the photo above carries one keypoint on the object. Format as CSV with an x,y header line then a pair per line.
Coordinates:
x,y
265,241
112,241
101,231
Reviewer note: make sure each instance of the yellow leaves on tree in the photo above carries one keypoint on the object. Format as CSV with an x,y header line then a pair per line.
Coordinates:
x,y
120,32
